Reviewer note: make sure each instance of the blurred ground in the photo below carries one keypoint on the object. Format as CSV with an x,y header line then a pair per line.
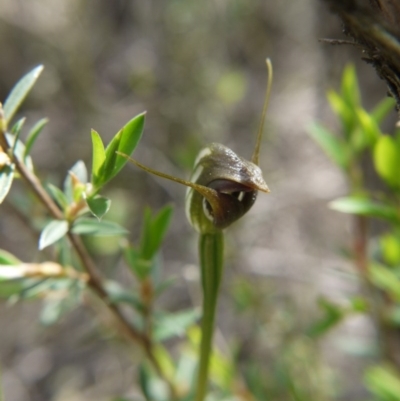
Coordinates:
x,y
198,69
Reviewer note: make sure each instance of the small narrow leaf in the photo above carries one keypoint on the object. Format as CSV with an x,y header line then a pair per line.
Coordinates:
x,y
365,207
17,127
33,134
369,126
350,90
58,196
155,229
99,206
18,149
343,111
332,315
333,146
383,108
19,92
87,226
124,141
99,156
6,179
54,231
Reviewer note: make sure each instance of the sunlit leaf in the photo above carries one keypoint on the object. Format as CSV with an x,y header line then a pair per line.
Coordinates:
x,y
6,258
19,92
333,146
99,156
164,359
98,205
387,160
350,90
55,230
365,207
383,382
124,141
6,179
88,226
390,245
369,126
33,135
343,111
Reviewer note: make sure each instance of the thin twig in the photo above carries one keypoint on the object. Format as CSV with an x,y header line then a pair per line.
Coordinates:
x,y
95,281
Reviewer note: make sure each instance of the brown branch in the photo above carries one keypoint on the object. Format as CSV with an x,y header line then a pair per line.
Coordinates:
x,y
375,27
95,281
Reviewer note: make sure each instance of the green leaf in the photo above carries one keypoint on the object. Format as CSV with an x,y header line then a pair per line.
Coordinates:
x,y
385,279
19,150
54,231
99,156
332,315
369,127
333,146
154,231
19,92
88,226
390,245
6,258
144,381
33,135
387,160
17,127
124,141
343,111
350,90
365,207
382,109
58,196
383,382
6,179
175,324
98,205
140,267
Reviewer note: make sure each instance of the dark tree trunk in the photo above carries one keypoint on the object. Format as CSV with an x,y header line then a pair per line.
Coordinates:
x,y
374,26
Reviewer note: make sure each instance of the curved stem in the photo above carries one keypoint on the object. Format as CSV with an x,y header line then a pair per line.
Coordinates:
x,y
211,248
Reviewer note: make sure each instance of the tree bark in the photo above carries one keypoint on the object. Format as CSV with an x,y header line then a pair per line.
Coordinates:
x,y
374,27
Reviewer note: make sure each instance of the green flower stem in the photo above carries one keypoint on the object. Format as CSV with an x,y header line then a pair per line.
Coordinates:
x,y
211,247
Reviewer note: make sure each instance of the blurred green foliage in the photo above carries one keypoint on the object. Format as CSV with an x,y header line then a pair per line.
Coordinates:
x,y
376,255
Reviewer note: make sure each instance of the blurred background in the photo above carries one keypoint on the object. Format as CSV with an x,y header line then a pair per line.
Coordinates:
x,y
198,69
